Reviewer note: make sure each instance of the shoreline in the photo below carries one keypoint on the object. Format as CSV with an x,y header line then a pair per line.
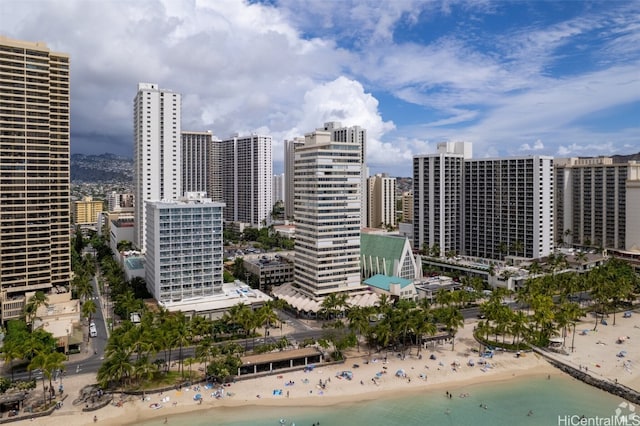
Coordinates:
x,y
448,372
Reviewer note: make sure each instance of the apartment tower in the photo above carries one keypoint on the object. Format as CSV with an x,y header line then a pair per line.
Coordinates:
x,y
247,172
184,248
591,202
34,158
508,207
289,161
157,151
355,135
327,210
438,197
382,201
201,164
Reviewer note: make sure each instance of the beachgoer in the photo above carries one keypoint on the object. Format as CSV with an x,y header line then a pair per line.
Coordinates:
x,y
95,419
166,420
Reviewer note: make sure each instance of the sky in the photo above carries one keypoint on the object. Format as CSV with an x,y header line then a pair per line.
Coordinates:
x,y
558,78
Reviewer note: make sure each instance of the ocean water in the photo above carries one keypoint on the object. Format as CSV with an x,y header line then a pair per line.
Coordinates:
x,y
560,401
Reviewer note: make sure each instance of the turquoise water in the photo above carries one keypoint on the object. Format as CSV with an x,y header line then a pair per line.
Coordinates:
x,y
507,403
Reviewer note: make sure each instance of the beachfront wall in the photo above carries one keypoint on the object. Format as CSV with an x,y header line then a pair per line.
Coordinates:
x,y
272,362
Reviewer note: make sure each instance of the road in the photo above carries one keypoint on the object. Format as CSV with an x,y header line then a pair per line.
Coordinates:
x,y
303,329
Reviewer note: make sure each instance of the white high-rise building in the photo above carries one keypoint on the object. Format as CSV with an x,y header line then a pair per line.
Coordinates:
x,y
437,200
184,248
487,208
356,135
508,207
157,154
382,201
289,161
327,211
278,188
247,173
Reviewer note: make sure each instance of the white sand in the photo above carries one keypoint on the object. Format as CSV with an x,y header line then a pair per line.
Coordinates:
x,y
596,351
437,374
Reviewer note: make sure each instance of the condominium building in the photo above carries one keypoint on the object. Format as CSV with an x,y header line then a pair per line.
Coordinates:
x,y
184,248
85,212
196,158
485,208
438,198
591,202
355,135
157,151
407,206
117,201
289,161
278,188
247,171
34,158
508,207
327,208
381,210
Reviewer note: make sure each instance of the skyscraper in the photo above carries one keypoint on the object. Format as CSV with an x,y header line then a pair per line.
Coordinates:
x,y
34,158
198,164
157,154
355,135
591,199
382,201
487,208
437,199
289,162
508,207
327,210
247,175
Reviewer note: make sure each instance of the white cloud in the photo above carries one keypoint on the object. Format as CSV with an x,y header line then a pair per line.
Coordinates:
x,y
288,68
537,146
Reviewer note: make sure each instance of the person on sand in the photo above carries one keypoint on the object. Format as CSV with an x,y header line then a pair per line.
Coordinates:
x,y
95,419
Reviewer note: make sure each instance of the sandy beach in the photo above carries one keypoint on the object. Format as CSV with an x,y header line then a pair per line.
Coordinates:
x,y
374,378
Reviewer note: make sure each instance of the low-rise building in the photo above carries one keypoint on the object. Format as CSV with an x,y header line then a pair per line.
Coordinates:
x,y
394,287
269,270
214,306
61,317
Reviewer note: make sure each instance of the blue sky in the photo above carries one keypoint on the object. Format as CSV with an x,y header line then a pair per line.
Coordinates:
x,y
559,78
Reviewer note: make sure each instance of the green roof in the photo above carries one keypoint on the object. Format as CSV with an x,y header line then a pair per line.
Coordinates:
x,y
384,282
385,247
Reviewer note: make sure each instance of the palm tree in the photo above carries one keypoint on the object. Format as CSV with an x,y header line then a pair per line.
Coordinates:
x,y
452,320
484,329
518,326
266,316
181,331
82,285
89,308
48,361
423,324
359,321
33,304
117,368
